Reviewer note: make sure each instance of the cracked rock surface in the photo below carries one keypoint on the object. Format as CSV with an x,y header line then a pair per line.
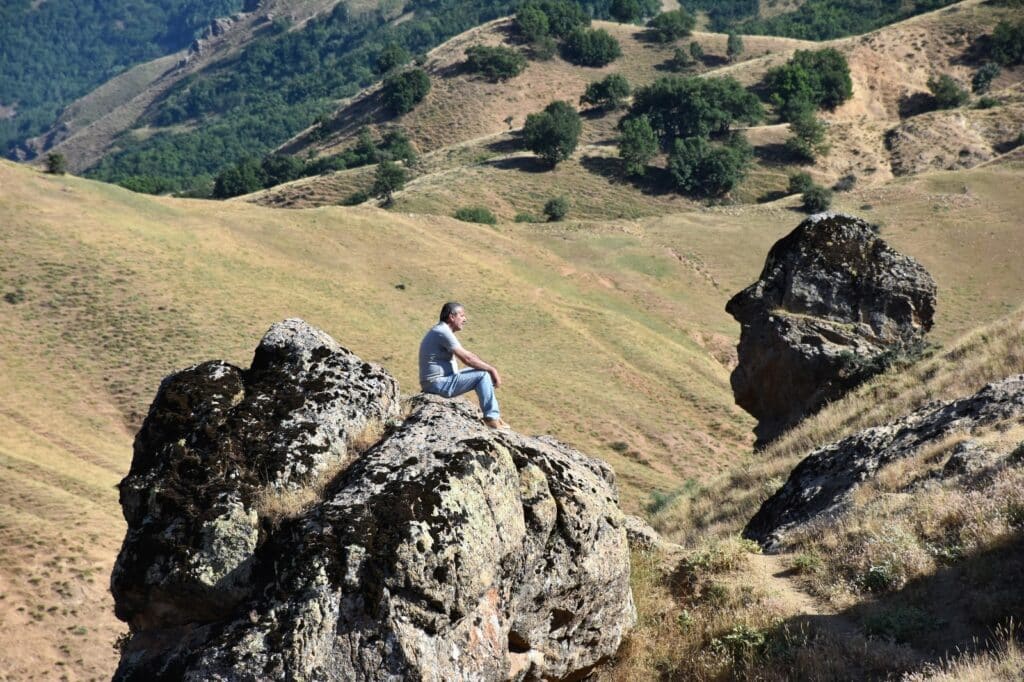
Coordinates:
x,y
444,551
832,301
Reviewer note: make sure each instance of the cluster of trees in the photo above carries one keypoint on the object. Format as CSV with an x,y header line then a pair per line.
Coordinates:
x,y
278,85
632,11
495,63
250,174
541,22
827,19
815,197
690,119
56,51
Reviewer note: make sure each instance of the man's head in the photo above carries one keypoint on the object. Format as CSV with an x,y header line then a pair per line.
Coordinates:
x,y
454,315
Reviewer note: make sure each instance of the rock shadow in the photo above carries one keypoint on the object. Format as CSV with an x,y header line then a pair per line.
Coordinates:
x,y
955,610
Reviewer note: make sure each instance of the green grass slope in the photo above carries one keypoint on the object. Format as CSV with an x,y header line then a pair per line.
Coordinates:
x,y
610,335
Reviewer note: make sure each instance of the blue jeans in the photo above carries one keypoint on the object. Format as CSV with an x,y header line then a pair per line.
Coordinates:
x,y
465,381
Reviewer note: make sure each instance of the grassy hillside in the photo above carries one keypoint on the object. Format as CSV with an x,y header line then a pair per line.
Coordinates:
x,y
610,335
466,127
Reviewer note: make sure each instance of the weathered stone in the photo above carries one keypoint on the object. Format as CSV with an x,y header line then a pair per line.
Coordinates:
x,y
217,436
832,301
447,551
821,486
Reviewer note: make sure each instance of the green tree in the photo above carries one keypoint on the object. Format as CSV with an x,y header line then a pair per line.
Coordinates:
x,y
694,107
404,90
701,167
591,47
56,163
244,177
389,178
396,146
672,25
532,22
1008,43
278,168
733,46
696,51
808,136
947,92
819,78
607,93
496,63
983,77
817,199
390,57
637,144
681,60
543,49
553,134
625,11
556,209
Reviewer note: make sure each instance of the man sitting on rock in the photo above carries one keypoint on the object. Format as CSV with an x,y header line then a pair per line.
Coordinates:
x,y
438,372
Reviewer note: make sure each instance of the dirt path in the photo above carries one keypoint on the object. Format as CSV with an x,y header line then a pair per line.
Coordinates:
x,y
775,571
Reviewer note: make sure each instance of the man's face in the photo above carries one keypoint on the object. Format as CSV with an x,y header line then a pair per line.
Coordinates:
x,y
457,320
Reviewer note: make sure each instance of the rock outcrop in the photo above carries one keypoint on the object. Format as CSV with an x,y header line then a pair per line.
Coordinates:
x,y
821,486
444,551
832,304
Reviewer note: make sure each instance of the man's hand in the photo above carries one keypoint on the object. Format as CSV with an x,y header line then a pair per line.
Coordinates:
x,y
495,377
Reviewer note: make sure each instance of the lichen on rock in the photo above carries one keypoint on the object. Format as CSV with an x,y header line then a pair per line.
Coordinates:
x,y
445,551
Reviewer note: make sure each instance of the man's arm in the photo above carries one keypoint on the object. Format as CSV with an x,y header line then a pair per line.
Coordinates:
x,y
471,359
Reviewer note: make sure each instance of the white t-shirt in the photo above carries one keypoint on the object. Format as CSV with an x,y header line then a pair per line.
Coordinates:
x,y
436,359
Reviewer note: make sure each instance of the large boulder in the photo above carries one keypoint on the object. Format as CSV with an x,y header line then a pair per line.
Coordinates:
x,y
445,551
834,303
821,487
216,441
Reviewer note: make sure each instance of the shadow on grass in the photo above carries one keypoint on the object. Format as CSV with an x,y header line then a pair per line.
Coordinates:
x,y
918,103
505,146
526,164
654,182
955,610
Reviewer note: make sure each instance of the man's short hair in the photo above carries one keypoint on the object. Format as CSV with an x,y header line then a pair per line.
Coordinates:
x,y
448,309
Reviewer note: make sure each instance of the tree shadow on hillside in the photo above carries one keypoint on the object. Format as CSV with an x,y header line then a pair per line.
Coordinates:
x,y
775,154
526,164
654,182
956,609
505,146
976,54
917,103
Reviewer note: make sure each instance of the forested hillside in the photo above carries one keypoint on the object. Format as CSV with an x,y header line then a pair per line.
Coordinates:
x,y
279,85
56,51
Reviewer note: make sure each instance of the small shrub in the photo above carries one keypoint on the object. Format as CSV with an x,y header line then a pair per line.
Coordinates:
x,y
741,643
882,577
807,564
355,198
845,183
983,77
15,297
986,102
947,92
476,214
607,93
672,25
556,209
1008,43
733,46
495,63
524,217
403,91
800,183
817,199
543,49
